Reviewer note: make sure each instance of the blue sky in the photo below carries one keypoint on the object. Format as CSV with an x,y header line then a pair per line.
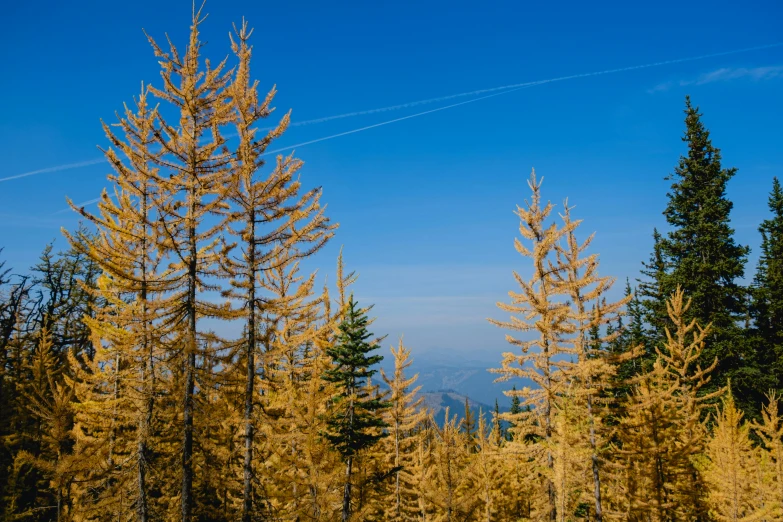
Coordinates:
x,y
425,204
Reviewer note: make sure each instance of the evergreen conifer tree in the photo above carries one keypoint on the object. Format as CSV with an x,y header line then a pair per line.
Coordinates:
x,y
652,290
767,292
355,414
700,255
514,410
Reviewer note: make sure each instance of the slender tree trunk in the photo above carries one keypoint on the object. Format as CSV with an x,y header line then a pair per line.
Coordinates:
x,y
147,376
190,364
142,508
187,438
347,490
115,396
148,382
397,463
594,458
550,461
250,349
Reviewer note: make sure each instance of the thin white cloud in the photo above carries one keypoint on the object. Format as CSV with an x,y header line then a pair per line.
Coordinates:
x,y
728,73
724,74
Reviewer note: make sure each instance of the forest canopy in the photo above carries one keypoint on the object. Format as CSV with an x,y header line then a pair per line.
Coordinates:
x,y
120,400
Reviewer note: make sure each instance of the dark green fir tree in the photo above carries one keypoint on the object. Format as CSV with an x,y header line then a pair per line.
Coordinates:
x,y
699,255
355,422
652,295
497,424
767,292
515,409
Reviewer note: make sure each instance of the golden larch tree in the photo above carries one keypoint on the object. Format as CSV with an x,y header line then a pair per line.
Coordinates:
x,y
404,417
126,331
664,432
273,222
770,431
193,199
733,470
541,308
595,367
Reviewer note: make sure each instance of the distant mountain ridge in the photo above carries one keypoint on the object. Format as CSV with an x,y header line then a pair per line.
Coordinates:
x,y
437,402
473,381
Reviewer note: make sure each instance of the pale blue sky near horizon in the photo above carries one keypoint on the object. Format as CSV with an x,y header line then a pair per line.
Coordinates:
x,y
424,204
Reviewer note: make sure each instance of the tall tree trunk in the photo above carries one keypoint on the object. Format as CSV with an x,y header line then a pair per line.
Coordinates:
x,y
187,434
250,349
550,461
147,375
594,458
397,463
347,490
148,382
190,362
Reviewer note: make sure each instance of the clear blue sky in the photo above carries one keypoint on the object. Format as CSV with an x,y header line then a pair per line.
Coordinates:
x,y
425,205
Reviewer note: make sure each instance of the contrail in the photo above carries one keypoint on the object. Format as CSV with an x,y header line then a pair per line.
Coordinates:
x,y
56,169
95,200
360,129
502,89
82,204
525,84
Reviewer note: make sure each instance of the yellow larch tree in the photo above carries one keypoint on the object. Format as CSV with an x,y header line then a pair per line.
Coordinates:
x,y
404,417
294,332
273,222
664,433
594,367
770,431
119,384
571,453
50,401
302,473
540,307
448,486
733,469
645,458
486,470
682,355
421,467
194,191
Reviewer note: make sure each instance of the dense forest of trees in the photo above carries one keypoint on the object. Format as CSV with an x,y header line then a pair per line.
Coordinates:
x,y
120,400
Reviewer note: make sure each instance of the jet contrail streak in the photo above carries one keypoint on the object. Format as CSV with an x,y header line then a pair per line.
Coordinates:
x,y
525,84
82,204
502,89
56,169
368,127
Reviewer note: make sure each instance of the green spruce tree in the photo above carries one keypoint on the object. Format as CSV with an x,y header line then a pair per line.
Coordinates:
x,y
355,421
652,296
514,411
699,255
767,292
